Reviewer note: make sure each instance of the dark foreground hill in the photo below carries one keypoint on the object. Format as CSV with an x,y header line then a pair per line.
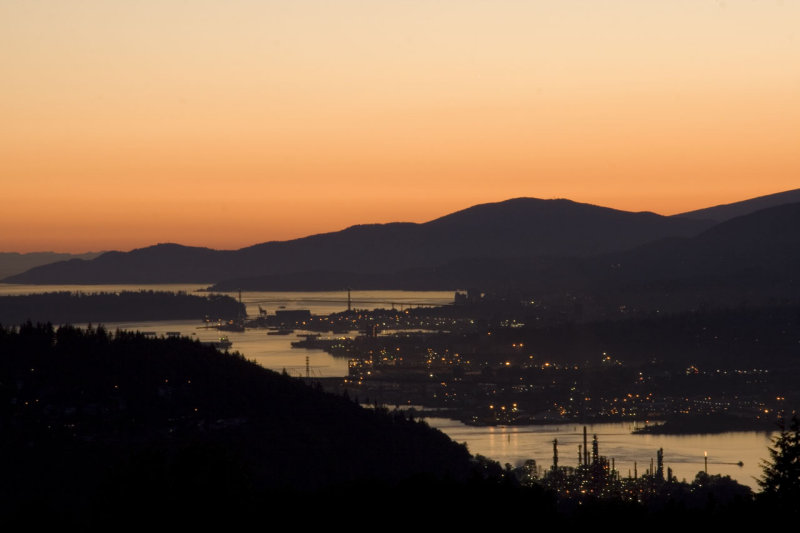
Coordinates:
x,y
522,227
104,427
120,431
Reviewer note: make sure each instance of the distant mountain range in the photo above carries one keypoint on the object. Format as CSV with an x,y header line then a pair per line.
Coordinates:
x,y
15,263
523,243
721,213
518,227
754,259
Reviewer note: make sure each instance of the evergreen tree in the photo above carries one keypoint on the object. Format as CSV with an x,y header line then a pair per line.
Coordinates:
x,y
781,479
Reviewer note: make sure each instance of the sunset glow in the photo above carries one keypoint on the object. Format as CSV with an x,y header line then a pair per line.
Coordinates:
x,y
225,124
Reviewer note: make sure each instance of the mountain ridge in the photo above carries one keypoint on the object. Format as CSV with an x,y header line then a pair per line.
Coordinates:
x,y
748,260
12,263
543,234
723,212
528,226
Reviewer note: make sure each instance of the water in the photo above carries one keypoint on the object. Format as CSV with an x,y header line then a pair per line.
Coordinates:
x,y
321,303
270,351
682,453
11,289
512,444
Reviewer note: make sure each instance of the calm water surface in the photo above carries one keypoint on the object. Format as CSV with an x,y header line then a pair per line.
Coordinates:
x,y
682,453
506,444
321,303
270,351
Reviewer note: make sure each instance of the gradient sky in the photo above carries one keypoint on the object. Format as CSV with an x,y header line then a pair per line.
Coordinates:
x,y
124,123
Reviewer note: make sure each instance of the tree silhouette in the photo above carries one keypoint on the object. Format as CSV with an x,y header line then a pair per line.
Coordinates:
x,y
781,479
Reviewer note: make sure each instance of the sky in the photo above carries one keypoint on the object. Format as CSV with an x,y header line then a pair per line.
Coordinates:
x,y
125,123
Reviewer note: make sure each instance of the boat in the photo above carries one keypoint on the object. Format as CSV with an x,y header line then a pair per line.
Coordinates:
x,y
281,331
231,326
310,341
222,344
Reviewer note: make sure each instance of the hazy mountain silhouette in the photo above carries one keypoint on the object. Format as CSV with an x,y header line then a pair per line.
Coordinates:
x,y
746,260
162,262
522,227
753,258
721,213
767,239
14,263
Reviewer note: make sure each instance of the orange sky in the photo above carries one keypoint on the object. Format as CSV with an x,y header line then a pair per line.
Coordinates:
x,y
228,123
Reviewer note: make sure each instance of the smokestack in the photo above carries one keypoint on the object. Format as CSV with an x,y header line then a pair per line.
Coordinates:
x,y
555,454
585,447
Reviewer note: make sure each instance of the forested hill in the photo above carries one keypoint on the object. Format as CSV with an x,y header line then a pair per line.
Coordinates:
x,y
79,308
93,422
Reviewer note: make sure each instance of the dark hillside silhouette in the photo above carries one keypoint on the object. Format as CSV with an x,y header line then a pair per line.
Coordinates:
x,y
523,227
66,307
750,258
721,213
753,259
14,263
101,425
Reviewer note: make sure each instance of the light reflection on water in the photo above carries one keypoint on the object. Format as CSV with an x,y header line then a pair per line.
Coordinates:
x,y
320,302
274,352
683,453
270,351
506,444
12,289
